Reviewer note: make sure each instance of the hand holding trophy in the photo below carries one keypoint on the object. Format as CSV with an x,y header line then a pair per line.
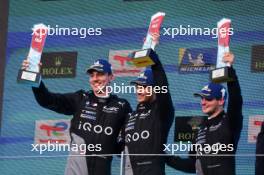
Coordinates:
x,y
224,57
25,64
228,58
142,58
30,70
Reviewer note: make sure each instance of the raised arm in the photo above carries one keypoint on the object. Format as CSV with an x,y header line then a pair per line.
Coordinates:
x,y
160,80
234,109
62,103
235,102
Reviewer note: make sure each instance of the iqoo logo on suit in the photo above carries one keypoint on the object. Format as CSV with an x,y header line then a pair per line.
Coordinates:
x,y
98,129
136,136
59,64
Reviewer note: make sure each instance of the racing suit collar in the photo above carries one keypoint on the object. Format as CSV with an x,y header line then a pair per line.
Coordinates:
x,y
144,106
216,119
101,99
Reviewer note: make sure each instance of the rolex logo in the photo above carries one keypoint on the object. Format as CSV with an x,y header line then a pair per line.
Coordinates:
x,y
194,123
58,60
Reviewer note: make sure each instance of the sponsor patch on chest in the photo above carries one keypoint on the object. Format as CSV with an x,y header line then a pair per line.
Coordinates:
x,y
215,127
144,115
88,114
112,109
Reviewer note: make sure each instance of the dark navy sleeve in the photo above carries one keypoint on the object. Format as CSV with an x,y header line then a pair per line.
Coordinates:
x,y
259,168
160,79
121,137
126,113
182,164
62,103
234,108
126,108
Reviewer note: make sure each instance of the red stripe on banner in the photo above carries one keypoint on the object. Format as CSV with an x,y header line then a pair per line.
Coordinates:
x,y
258,123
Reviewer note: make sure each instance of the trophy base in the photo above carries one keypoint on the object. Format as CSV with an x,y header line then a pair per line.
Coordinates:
x,y
25,76
143,58
221,75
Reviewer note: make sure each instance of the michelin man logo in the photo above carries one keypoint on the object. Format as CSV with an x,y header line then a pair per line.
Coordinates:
x,y
198,61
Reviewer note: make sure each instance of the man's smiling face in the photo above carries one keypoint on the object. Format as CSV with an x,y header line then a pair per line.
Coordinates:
x,y
99,81
211,106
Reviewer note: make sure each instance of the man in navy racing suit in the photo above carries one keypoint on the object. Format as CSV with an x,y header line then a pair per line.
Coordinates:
x,y
220,132
147,128
97,119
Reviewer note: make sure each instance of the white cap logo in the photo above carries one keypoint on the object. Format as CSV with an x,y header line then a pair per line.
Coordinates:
x,y
142,75
206,88
223,92
97,63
